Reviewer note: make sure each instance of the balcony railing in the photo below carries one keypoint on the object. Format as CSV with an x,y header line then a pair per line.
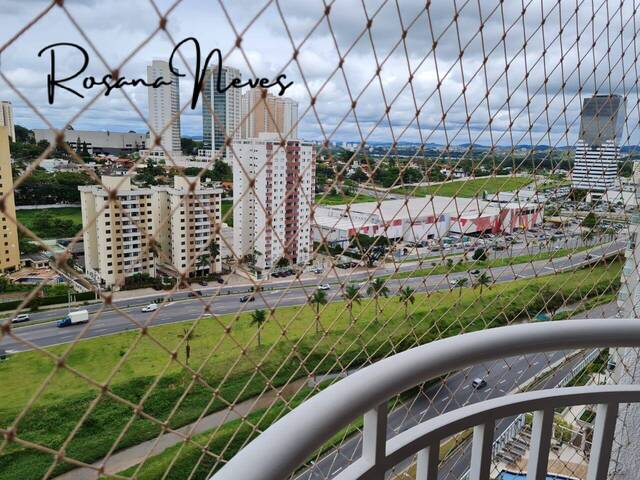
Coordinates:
x,y
284,447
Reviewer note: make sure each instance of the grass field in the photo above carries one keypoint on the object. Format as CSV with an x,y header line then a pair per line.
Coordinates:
x,y
340,199
468,188
27,217
462,266
58,408
224,208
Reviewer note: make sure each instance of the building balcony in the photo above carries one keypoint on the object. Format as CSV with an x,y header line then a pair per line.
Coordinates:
x,y
365,395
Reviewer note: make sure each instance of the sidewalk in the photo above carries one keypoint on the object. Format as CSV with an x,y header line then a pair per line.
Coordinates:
x,y
131,456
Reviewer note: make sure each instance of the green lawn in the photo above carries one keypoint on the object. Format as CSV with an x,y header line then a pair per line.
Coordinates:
x,y
460,265
28,219
340,199
282,358
468,188
226,206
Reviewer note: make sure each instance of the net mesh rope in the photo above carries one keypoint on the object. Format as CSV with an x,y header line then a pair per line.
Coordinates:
x,y
494,89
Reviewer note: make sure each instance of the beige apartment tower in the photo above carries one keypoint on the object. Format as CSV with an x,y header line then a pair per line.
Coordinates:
x,y
6,119
116,245
9,249
185,226
263,112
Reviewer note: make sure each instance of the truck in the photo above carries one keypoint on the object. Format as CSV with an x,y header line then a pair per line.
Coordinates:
x,y
74,318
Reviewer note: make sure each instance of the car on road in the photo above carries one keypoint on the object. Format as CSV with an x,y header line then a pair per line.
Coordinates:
x,y
588,256
22,317
324,286
247,298
317,270
479,383
195,293
474,272
152,307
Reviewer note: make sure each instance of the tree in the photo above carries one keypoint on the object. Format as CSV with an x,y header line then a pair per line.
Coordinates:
x,y
461,283
187,335
590,221
407,296
352,294
483,280
258,318
318,299
282,262
378,288
479,255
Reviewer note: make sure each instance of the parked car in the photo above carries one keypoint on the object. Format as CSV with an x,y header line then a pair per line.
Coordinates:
x,y
22,317
247,298
317,270
152,307
324,286
479,383
203,283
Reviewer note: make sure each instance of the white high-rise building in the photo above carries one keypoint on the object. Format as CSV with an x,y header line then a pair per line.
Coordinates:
x,y
221,111
269,114
595,166
164,109
6,119
273,188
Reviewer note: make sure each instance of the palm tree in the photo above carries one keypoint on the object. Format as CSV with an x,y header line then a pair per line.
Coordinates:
x,y
378,288
214,252
407,296
187,335
483,280
318,299
258,317
461,283
352,294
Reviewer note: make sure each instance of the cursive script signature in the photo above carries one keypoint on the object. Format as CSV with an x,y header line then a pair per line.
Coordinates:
x,y
109,83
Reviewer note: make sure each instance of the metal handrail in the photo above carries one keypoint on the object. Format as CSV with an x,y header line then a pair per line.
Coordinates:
x,y
284,446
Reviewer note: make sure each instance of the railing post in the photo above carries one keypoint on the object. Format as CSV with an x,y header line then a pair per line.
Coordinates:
x,y
603,432
540,441
427,464
481,451
374,441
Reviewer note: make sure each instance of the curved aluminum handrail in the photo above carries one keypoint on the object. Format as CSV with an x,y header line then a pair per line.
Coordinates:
x,y
285,445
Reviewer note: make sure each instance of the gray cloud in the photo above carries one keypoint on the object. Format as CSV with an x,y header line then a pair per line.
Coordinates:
x,y
572,68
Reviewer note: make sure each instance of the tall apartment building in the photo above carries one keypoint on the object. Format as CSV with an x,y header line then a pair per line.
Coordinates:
x,y
597,151
272,218
116,245
9,249
6,119
164,108
185,226
269,114
221,112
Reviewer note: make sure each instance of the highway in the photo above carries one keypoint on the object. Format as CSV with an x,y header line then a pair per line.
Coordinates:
x,y
455,391
226,300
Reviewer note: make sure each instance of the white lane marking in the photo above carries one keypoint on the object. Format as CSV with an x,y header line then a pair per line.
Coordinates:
x,y
465,387
535,363
520,371
505,366
501,381
423,411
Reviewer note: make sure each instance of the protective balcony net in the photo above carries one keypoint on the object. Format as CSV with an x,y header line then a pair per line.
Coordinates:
x,y
436,168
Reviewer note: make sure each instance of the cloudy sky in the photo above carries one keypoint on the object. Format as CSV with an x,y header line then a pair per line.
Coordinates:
x,y
446,101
